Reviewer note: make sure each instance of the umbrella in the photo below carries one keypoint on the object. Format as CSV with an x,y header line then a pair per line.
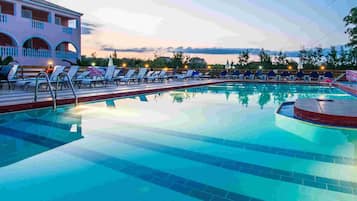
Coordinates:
x,y
300,66
110,63
227,65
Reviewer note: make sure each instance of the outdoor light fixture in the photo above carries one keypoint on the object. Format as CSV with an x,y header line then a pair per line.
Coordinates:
x,y
260,67
209,67
322,67
50,63
186,66
147,65
290,67
124,65
93,64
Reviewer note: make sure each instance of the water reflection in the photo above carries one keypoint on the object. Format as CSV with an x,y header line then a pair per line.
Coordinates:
x,y
261,94
36,131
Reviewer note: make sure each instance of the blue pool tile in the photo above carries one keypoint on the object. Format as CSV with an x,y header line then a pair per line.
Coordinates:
x,y
238,197
215,191
271,173
315,184
201,195
181,188
291,179
219,199
327,180
340,189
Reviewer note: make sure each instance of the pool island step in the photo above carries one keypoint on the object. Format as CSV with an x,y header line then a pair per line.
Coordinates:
x,y
340,113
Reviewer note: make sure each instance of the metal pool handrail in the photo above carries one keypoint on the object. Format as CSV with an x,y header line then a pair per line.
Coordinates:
x,y
63,74
49,86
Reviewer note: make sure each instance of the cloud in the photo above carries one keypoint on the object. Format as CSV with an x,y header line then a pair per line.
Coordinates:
x,y
88,28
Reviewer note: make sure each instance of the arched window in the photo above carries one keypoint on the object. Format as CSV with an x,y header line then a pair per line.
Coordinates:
x,y
6,40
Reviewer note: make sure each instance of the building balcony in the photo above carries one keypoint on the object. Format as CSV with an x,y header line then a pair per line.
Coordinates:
x,y
41,53
67,30
3,18
8,51
38,24
66,55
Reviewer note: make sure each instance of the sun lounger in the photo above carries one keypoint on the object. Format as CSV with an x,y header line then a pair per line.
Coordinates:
x,y
129,76
108,77
8,74
57,71
185,76
141,75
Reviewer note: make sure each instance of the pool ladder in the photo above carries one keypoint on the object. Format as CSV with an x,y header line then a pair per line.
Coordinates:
x,y
65,78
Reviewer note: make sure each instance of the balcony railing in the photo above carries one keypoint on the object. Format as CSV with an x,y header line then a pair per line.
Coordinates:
x,y
66,55
8,51
3,18
27,52
67,30
38,24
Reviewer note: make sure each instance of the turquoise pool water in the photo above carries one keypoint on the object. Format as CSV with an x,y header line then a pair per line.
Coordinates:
x,y
219,142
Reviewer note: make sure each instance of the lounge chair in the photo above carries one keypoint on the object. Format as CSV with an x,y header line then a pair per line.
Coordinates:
x,y
328,75
300,75
107,78
314,76
196,75
141,75
8,74
162,76
235,74
271,75
153,76
129,76
223,74
248,75
260,75
185,76
285,75
57,70
73,70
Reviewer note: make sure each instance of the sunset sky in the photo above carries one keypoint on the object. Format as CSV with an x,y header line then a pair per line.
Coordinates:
x,y
269,24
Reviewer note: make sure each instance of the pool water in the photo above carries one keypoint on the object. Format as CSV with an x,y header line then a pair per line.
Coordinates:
x,y
218,142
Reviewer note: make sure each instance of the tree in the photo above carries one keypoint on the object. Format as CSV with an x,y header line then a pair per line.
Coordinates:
x,y
115,54
196,62
332,58
177,60
351,25
264,57
317,56
342,60
243,58
280,58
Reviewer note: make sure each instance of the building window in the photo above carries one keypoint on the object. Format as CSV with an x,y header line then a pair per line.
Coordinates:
x,y
58,20
26,13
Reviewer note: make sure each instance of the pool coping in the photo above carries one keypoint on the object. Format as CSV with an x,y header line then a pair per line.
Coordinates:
x,y
84,99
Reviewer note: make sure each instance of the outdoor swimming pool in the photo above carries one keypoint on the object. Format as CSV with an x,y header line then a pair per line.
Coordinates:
x,y
218,142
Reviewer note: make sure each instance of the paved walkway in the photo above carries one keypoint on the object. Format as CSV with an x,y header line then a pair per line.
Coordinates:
x,y
20,96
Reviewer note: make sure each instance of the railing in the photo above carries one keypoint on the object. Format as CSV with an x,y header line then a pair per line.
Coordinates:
x,y
9,51
66,55
64,78
53,96
67,30
28,52
38,24
3,18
